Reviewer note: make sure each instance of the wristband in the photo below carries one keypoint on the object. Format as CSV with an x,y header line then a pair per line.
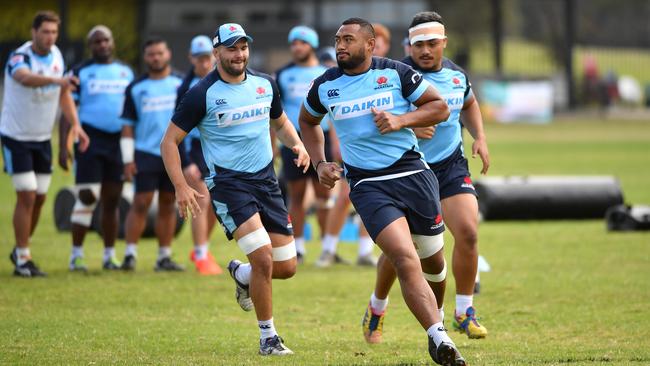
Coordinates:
x,y
127,146
317,164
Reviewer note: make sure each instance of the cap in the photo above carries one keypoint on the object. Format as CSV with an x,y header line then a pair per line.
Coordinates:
x,y
200,45
304,34
228,34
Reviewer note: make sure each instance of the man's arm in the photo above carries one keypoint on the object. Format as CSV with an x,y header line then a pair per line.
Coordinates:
x,y
431,110
69,111
473,121
127,148
314,140
287,134
27,78
186,197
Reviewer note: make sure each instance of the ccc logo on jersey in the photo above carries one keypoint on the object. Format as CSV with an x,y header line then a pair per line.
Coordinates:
x,y
333,93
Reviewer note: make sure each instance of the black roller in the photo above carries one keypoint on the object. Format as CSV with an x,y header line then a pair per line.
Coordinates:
x,y
63,204
547,198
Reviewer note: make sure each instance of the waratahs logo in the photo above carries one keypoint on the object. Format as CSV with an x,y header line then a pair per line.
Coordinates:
x,y
260,90
232,28
382,82
437,222
467,183
456,81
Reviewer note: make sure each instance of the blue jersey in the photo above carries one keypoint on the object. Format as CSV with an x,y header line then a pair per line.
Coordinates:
x,y
387,86
455,88
233,120
100,95
293,82
188,82
148,106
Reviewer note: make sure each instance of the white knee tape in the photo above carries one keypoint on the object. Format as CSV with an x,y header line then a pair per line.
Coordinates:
x,y
325,204
43,183
437,277
426,246
253,241
24,181
82,214
284,252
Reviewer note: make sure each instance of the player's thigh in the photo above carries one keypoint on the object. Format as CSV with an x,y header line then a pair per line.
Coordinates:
x,y
396,243
460,213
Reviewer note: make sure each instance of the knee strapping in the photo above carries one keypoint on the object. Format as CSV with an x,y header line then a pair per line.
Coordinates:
x,y
43,183
24,181
254,240
87,198
437,277
284,252
426,246
325,204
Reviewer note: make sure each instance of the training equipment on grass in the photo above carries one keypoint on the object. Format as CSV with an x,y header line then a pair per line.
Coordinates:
x,y
628,218
547,197
65,201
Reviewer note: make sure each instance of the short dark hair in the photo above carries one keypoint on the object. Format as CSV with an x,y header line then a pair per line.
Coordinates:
x,y
152,41
45,16
426,17
363,25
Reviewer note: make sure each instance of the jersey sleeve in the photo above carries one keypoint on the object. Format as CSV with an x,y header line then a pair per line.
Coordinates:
x,y
77,92
17,61
129,112
468,89
312,101
413,84
191,109
276,103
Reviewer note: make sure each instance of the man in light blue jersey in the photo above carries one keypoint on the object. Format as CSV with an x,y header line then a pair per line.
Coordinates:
x,y
444,154
98,170
391,186
194,168
293,81
233,108
149,103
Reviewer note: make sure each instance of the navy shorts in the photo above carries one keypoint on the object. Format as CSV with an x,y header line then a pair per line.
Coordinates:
x,y
102,161
26,156
453,175
291,172
237,196
414,197
151,174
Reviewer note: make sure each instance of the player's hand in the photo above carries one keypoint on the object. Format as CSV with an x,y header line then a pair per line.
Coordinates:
x,y
64,157
303,158
480,147
187,200
328,174
69,82
80,135
386,122
130,171
425,132
192,171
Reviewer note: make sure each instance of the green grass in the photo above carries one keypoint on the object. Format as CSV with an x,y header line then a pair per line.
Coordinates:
x,y
562,292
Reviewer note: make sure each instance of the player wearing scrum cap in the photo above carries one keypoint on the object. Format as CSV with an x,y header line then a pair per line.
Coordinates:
x,y
98,171
34,88
233,108
444,154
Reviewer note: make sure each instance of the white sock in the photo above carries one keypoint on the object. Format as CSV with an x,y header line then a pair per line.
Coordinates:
x,y
329,243
378,305
131,249
438,334
77,251
109,253
300,245
267,329
365,246
243,273
462,303
23,255
201,251
441,311
164,252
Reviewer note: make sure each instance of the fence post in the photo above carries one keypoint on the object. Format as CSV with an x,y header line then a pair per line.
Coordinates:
x,y
497,33
570,19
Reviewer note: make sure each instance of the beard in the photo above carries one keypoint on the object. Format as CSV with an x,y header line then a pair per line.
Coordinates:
x,y
302,58
158,68
231,70
352,62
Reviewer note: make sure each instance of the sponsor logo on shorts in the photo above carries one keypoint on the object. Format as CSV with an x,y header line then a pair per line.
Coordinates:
x,y
437,222
467,183
362,106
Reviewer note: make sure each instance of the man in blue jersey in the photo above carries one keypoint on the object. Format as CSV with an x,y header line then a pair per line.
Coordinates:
x,y
233,108
368,100
194,168
444,154
98,170
149,103
293,81
34,89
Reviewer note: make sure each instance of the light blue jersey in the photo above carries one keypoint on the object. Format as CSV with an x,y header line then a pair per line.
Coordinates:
x,y
148,106
293,82
100,95
348,99
455,88
233,120
188,82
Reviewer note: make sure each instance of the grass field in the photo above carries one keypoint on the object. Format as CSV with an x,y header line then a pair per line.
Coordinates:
x,y
564,292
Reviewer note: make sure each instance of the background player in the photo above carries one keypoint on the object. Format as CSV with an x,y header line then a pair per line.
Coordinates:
x,y
34,88
234,108
293,82
444,153
391,187
98,170
148,106
194,168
